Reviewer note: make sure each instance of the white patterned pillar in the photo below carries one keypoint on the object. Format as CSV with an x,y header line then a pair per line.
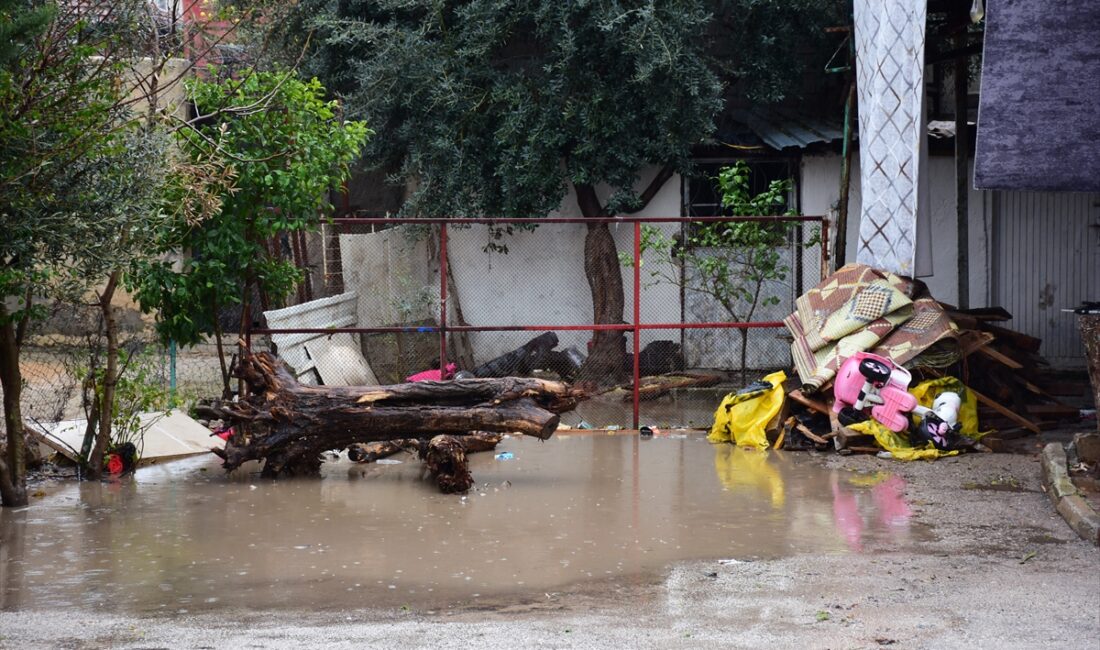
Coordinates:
x,y
889,38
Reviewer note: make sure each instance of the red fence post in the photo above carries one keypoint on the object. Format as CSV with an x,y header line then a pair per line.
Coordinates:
x,y
637,315
442,301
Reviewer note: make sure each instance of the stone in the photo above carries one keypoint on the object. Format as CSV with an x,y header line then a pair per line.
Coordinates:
x,y
1088,447
1081,517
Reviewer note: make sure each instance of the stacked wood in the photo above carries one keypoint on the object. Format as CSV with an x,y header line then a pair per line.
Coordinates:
x,y
1017,391
288,425
1013,383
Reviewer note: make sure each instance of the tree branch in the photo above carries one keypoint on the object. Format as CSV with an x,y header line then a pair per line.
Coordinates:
x,y
651,190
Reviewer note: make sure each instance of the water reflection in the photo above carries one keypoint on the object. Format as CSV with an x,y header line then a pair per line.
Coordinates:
x,y
185,537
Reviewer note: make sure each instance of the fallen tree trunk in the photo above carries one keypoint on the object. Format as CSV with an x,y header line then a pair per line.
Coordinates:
x,y
288,425
445,458
369,452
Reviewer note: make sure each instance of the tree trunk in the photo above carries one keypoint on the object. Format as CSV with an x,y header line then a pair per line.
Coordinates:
x,y
370,452
606,362
110,380
288,425
13,466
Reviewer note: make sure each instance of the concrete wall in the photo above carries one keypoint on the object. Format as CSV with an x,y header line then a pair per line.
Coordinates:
x,y
820,190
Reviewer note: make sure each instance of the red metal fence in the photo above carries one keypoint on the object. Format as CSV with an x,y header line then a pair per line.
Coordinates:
x,y
803,279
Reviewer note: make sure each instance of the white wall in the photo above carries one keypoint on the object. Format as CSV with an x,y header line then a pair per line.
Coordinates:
x,y
540,281
821,188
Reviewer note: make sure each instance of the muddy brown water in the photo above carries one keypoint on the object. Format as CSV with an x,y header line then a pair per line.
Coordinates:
x,y
185,537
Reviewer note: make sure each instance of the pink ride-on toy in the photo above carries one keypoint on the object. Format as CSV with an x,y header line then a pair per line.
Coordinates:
x,y
866,379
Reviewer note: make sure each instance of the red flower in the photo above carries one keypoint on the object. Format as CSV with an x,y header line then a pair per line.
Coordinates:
x,y
114,464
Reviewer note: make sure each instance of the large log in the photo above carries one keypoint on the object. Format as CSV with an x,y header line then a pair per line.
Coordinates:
x,y
289,425
369,452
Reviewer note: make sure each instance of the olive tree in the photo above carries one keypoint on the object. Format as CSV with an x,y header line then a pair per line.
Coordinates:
x,y
288,146
491,108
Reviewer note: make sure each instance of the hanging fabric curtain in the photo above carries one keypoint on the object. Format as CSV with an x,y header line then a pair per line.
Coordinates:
x,y
889,39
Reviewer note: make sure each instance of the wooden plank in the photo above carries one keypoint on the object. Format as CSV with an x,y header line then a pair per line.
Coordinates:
x,y
1054,410
971,340
1000,358
856,449
1017,339
812,404
1007,412
810,434
989,313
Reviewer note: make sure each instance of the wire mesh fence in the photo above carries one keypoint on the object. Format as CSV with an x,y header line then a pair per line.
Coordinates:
x,y
62,352
393,299
430,298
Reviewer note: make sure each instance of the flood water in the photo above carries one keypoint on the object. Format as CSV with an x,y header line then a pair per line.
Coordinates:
x,y
692,408
184,536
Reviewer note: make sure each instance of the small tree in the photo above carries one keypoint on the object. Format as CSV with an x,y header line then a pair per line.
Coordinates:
x,y
732,262
288,147
60,105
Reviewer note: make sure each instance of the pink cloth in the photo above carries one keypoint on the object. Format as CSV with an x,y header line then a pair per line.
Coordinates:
x,y
433,375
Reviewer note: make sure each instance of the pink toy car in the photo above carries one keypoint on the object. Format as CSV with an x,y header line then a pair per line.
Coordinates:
x,y
868,380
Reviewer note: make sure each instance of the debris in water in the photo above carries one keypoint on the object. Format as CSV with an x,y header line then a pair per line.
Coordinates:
x,y
388,461
505,455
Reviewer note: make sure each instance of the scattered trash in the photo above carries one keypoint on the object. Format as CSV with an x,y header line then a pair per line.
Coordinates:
x,y
584,425
434,374
388,461
174,435
613,427
645,432
822,616
732,561
864,336
742,419
505,455
711,574
521,361
1028,556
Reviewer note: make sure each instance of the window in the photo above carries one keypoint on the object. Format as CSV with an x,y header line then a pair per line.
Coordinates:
x,y
701,195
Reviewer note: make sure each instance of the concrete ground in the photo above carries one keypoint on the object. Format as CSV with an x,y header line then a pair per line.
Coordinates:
x,y
1000,569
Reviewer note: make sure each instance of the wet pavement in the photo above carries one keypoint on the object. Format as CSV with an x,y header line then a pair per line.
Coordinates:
x,y
186,538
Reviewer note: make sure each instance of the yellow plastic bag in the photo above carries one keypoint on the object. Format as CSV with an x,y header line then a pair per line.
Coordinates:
x,y
741,419
897,444
926,392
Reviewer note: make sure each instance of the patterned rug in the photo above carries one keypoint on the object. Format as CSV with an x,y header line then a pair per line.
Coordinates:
x,y
858,309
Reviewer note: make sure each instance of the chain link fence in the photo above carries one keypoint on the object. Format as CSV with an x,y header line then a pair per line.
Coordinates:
x,y
400,298
386,300
63,350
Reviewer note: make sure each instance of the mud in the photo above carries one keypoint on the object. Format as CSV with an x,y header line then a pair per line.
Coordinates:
x,y
185,538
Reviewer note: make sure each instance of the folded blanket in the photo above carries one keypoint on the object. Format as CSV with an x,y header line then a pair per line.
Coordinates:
x,y
860,309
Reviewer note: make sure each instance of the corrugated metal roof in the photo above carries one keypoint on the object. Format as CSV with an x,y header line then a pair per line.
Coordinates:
x,y
784,128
